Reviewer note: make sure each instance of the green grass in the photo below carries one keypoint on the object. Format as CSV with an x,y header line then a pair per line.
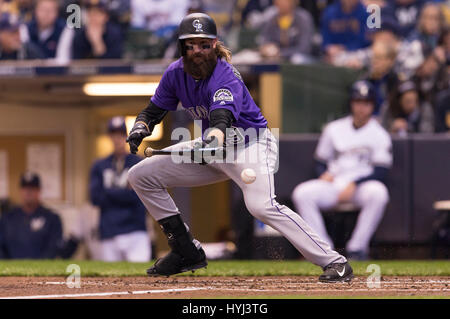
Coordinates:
x,y
220,268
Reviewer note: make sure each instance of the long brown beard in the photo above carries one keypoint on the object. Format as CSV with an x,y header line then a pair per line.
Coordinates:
x,y
203,69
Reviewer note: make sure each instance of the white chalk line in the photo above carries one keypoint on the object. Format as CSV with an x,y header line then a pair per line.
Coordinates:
x,y
156,291
367,290
104,294
299,283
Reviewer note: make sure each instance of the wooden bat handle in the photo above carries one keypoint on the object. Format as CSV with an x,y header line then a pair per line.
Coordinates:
x,y
148,152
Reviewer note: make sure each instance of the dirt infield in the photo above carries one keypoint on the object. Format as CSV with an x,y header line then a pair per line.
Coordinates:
x,y
213,287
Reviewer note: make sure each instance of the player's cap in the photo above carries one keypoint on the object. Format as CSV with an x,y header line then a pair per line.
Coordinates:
x,y
117,124
406,86
197,25
30,179
363,90
9,22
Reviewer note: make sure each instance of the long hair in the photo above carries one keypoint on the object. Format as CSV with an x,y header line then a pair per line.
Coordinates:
x,y
223,52
395,106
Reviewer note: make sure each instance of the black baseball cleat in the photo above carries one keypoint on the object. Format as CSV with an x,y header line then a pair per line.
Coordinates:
x,y
174,263
186,252
337,272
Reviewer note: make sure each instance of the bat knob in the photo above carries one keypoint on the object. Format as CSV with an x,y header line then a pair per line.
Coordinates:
x,y
148,152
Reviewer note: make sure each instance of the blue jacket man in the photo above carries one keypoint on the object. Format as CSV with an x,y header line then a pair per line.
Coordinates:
x,y
30,231
45,28
100,38
122,228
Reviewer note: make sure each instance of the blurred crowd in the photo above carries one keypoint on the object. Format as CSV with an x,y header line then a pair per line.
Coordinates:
x,y
401,46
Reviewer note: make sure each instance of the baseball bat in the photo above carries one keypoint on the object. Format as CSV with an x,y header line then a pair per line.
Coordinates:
x,y
148,152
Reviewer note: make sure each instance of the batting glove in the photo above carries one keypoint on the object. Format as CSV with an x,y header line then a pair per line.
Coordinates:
x,y
137,134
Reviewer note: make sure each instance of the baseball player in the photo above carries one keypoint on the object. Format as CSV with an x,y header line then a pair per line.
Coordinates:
x,y
122,225
212,90
353,157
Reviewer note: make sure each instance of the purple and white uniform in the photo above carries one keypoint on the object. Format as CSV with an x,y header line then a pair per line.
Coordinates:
x,y
223,89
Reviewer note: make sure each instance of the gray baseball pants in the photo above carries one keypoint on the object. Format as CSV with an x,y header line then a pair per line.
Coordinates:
x,y
152,176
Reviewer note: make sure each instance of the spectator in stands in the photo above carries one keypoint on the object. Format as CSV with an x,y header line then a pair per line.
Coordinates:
x,y
429,27
120,13
224,13
381,74
99,38
160,17
442,97
46,28
30,231
408,59
352,161
432,76
123,231
344,28
405,12
287,34
358,59
11,45
406,113
255,13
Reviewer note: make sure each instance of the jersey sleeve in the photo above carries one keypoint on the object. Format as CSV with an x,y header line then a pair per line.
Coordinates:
x,y
382,153
325,149
227,94
165,96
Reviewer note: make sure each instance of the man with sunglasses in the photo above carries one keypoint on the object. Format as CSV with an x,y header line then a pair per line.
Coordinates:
x,y
211,90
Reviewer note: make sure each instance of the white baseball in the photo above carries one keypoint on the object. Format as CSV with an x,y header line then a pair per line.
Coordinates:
x,y
248,175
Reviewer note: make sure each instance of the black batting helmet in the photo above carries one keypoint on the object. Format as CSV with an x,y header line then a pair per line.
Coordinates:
x,y
363,90
196,25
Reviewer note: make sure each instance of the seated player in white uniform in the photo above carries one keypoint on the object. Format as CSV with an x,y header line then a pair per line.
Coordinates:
x,y
353,158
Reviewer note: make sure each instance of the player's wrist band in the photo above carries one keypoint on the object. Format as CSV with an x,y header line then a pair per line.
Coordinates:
x,y
144,124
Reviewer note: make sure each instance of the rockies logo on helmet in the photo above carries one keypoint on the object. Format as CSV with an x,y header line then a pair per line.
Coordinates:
x,y
197,25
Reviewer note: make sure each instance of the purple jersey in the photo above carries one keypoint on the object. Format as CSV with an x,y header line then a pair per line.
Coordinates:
x,y
223,89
